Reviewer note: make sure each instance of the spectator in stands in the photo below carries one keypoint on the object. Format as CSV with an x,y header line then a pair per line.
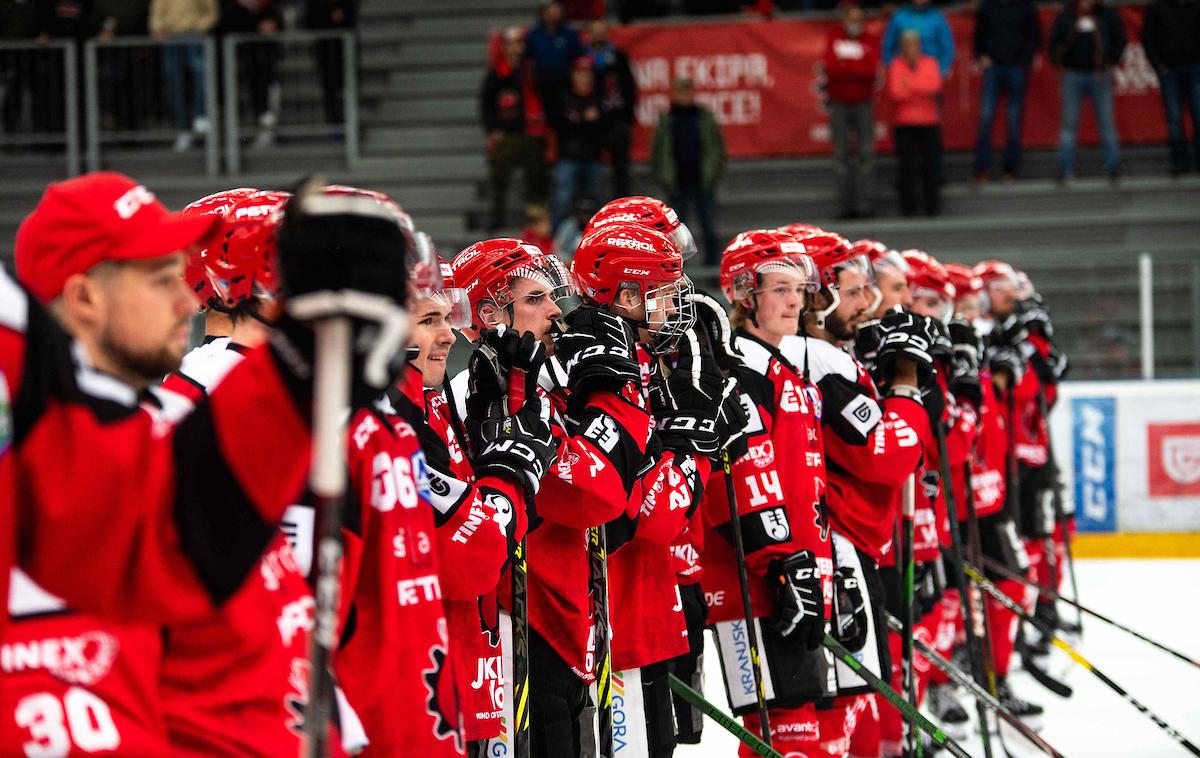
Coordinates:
x,y
66,20
618,97
258,61
579,124
513,121
323,15
687,159
570,231
1007,36
122,70
538,231
181,23
16,71
851,69
1087,39
930,23
1171,38
914,83
552,46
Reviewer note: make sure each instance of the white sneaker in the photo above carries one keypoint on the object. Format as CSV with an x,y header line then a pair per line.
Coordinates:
x,y
183,142
200,126
264,138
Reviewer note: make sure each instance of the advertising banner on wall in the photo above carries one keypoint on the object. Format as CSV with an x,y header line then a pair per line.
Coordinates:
x,y
1129,453
765,83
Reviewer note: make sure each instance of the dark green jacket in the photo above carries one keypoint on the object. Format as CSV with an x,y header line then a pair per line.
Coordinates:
x,y
712,147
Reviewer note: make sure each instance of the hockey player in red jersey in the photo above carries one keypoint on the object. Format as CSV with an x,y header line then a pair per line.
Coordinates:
x,y
781,508
872,445
634,274
600,452
890,274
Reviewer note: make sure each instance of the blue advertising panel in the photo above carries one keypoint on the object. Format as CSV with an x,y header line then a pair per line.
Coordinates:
x,y
1094,430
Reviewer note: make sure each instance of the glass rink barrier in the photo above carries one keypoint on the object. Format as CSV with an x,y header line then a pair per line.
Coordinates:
x,y
39,98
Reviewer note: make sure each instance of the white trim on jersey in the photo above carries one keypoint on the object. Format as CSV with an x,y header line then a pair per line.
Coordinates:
x,y
92,381
14,304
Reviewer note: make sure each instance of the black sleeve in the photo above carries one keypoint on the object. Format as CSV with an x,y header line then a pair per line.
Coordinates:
x,y
848,409
1033,34
1113,52
1056,47
1151,39
979,37
487,101
628,85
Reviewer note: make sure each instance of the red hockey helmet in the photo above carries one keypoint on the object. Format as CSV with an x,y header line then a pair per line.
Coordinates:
x,y
629,256
882,258
801,230
927,278
196,273
422,261
485,271
762,251
996,271
452,297
833,253
649,212
242,264
965,280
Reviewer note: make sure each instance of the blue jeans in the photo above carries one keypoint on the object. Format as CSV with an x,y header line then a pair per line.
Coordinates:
x,y
1180,86
999,80
692,197
180,59
571,179
1076,85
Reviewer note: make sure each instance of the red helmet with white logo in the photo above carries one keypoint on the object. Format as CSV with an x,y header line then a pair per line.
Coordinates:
x,y
832,253
965,280
801,230
927,277
649,212
880,255
485,272
628,256
996,271
196,274
452,297
762,251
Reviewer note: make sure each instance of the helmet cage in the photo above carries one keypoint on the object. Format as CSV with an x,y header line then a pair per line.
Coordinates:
x,y
670,312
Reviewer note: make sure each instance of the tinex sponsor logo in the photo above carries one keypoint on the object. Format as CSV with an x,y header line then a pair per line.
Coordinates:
x,y
83,659
762,455
631,244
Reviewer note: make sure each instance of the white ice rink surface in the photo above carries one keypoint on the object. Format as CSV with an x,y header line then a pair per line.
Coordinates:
x,y
1159,598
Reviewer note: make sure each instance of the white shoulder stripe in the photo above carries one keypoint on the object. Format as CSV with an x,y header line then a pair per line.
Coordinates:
x,y
98,384
14,305
825,359
756,357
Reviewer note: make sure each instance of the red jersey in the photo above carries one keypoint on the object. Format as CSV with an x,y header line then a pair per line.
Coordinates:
x,y
236,682
872,448
851,66
781,507
75,684
142,479
392,662
1031,426
687,550
990,461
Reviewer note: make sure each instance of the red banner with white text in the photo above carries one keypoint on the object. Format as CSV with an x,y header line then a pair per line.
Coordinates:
x,y
764,82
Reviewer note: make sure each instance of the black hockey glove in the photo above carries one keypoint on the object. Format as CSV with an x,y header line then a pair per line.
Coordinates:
x,y
963,378
1034,316
1008,361
800,604
943,348
508,351
519,447
687,402
714,323
910,336
1052,368
732,421
598,352
850,612
348,264
866,342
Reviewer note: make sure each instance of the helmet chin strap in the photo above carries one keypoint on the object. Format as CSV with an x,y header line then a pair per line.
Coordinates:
x,y
834,302
876,300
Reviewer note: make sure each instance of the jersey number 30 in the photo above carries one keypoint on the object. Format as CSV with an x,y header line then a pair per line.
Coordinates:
x,y
80,719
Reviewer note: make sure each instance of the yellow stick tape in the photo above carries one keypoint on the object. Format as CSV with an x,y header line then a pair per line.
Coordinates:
x,y
1138,545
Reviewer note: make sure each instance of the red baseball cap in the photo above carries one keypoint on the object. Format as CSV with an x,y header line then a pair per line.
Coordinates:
x,y
94,218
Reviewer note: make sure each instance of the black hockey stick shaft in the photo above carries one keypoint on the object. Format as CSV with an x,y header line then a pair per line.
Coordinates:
x,y
327,480
963,679
1076,656
735,526
908,680
975,651
518,573
724,720
1060,516
598,576
907,709
1000,568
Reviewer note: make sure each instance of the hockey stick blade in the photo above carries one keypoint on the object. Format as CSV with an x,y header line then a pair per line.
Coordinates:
x,y
722,719
1042,676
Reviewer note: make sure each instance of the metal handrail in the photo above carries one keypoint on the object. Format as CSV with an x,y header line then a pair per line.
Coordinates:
x,y
70,136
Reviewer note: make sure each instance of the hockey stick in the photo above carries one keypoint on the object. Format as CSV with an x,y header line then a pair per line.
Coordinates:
x,y
1066,647
964,680
747,610
975,653
1000,568
327,480
907,566
598,571
518,572
907,709
724,720
1060,516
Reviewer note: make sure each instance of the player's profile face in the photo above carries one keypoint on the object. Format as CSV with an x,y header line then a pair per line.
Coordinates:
x,y
433,337
143,311
968,307
533,308
929,305
781,298
893,286
1001,294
